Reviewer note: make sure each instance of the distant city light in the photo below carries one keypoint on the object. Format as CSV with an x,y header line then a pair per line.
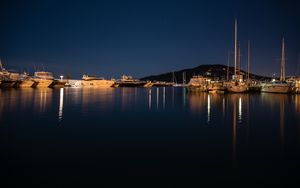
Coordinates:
x,y
61,77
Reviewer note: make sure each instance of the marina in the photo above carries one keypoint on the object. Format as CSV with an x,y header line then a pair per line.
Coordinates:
x,y
91,90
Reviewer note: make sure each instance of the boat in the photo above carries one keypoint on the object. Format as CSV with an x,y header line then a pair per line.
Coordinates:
x,y
216,87
87,77
237,85
90,82
6,81
197,84
297,87
58,83
278,86
128,81
44,79
25,81
275,87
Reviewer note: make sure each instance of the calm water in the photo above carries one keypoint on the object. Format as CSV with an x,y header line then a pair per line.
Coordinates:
x,y
63,135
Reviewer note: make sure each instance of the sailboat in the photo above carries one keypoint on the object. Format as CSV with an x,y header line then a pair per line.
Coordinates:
x,y
278,86
237,85
183,81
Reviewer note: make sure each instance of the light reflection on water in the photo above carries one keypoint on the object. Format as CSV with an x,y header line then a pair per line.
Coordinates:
x,y
171,121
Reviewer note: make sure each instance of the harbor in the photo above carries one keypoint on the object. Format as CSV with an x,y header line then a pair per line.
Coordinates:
x,y
91,90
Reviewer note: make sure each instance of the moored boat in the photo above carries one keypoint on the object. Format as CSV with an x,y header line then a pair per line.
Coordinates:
x,y
44,79
275,87
197,84
91,82
128,81
278,86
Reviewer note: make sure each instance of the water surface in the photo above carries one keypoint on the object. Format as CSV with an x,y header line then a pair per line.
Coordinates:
x,y
63,135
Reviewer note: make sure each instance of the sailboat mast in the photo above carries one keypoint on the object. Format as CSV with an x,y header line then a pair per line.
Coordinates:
x,y
299,66
248,67
235,48
228,61
239,62
282,71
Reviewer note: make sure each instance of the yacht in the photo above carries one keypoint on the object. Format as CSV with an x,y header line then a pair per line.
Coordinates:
x,y
44,79
275,87
25,81
197,84
278,86
6,81
216,87
91,82
128,81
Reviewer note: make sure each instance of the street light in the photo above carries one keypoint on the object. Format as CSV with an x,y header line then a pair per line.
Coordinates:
x,y
61,77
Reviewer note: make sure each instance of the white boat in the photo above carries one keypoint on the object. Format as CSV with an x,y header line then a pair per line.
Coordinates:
x,y
216,87
278,86
91,82
6,81
129,81
275,87
25,81
197,84
44,79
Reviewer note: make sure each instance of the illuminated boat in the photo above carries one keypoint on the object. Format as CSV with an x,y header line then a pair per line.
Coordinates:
x,y
91,82
128,81
44,79
278,86
197,84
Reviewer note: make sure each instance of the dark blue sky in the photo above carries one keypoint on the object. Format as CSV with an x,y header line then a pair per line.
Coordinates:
x,y
140,38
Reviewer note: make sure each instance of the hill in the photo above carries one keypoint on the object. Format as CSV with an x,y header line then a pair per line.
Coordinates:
x,y
215,72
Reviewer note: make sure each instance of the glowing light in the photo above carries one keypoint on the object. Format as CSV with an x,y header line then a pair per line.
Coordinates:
x,y
240,109
61,104
208,108
273,80
164,97
61,77
149,96
157,97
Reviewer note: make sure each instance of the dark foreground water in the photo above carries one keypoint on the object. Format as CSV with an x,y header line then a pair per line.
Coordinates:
x,y
63,136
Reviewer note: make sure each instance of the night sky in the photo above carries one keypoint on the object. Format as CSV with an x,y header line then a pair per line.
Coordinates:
x,y
144,37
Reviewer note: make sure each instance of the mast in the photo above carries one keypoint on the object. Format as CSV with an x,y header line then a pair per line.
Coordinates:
x,y
239,62
299,66
248,67
228,61
282,70
235,48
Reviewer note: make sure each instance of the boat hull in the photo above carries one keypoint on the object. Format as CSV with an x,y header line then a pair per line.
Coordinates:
x,y
7,84
92,83
131,84
58,83
43,83
275,89
25,84
195,89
